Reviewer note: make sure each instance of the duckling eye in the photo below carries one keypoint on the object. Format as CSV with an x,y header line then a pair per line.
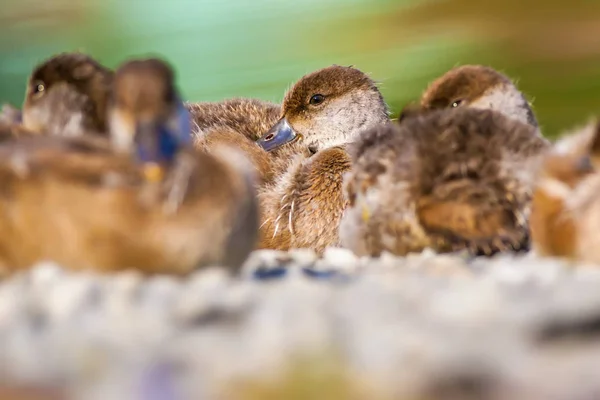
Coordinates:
x,y
317,99
39,88
456,103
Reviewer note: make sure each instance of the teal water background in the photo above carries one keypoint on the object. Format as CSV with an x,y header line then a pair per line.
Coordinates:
x,y
228,48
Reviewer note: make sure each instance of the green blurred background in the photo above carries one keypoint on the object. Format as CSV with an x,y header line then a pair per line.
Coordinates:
x,y
226,48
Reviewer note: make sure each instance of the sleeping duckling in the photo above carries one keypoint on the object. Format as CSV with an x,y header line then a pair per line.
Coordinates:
x,y
321,113
238,123
262,162
455,178
564,218
67,95
147,201
249,117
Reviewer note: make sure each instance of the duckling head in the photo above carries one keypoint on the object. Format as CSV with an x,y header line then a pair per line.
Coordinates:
x,y
327,108
67,95
147,117
480,87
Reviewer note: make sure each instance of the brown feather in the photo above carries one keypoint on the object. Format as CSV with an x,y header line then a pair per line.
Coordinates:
x,y
308,205
446,180
91,209
260,159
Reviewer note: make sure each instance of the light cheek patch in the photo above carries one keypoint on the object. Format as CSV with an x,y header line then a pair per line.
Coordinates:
x,y
122,131
34,118
505,99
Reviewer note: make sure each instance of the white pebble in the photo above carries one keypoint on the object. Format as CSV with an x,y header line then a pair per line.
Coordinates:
x,y
340,258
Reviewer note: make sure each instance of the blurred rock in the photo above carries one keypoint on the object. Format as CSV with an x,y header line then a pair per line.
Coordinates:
x,y
424,326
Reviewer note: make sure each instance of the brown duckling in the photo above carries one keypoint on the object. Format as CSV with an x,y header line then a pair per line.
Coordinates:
x,y
321,113
453,178
448,180
236,122
149,201
566,206
261,161
480,87
241,122
67,95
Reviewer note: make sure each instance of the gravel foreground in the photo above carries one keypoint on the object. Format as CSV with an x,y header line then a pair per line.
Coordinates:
x,y
424,326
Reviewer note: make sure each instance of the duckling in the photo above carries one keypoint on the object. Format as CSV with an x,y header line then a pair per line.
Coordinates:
x,y
261,161
241,123
321,114
67,95
564,218
75,88
450,180
144,200
480,87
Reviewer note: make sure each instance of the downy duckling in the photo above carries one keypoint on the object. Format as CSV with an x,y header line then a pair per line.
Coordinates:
x,y
249,117
321,113
237,122
262,161
566,206
67,95
149,201
479,87
453,178
241,123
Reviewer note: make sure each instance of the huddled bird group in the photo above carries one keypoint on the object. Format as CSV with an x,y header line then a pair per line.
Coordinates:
x,y
110,170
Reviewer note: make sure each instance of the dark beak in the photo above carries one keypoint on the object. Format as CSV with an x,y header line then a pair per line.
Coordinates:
x,y
281,133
